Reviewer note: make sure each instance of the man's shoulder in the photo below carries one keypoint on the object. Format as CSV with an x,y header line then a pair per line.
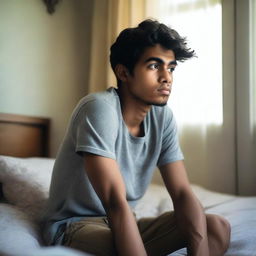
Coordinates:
x,y
108,96
104,100
101,105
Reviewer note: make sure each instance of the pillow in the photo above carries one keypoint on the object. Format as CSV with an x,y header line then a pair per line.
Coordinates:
x,y
26,182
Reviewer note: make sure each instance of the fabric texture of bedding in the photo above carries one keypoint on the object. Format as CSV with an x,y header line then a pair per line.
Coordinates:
x,y
26,184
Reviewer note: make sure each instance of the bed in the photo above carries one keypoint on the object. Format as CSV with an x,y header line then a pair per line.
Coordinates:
x,y
25,173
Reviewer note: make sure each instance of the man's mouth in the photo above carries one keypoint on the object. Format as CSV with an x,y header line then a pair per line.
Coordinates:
x,y
163,91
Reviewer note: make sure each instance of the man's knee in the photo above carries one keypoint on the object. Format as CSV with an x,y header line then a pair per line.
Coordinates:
x,y
219,229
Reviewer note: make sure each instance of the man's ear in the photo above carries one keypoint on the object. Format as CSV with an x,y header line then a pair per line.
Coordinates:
x,y
122,72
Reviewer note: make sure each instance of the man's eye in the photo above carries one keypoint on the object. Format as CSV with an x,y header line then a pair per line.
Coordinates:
x,y
171,69
154,66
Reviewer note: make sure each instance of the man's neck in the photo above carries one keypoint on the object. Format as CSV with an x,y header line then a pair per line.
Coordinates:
x,y
134,113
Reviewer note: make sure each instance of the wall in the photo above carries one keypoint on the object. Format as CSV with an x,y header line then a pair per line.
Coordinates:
x,y
44,60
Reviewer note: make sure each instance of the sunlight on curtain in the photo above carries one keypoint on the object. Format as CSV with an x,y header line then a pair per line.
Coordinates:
x,y
197,95
197,88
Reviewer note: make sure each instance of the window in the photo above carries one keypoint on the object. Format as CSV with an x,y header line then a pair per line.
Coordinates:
x,y
197,89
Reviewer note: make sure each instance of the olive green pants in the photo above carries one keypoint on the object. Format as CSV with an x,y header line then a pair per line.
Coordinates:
x,y
160,235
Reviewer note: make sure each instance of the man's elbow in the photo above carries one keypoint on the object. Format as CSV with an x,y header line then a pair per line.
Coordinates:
x,y
114,203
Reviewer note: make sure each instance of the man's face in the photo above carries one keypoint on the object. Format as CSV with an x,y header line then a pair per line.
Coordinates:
x,y
152,77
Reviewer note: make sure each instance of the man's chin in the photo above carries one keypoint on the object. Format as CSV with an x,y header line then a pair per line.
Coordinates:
x,y
162,104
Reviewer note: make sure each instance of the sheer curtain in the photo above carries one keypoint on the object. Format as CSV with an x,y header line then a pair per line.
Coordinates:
x,y
206,134
245,96
253,74
253,60
109,18
210,96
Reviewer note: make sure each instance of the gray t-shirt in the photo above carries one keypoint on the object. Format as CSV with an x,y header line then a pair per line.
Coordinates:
x,y
97,127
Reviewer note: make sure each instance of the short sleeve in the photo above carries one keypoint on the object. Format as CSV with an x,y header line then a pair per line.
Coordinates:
x,y
170,150
95,129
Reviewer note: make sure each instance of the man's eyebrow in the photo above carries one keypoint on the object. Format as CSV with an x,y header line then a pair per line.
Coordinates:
x,y
159,60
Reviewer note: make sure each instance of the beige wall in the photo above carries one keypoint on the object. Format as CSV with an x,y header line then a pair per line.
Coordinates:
x,y
44,60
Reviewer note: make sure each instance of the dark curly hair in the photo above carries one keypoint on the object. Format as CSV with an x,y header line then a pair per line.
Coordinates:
x,y
131,43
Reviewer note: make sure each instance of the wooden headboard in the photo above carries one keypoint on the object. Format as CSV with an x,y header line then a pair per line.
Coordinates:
x,y
24,136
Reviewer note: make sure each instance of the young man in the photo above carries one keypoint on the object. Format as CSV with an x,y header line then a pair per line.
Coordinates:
x,y
114,141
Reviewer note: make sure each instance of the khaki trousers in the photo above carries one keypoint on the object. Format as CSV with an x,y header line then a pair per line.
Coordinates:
x,y
160,235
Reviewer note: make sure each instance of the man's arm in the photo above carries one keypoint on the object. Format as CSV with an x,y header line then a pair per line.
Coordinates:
x,y
107,181
188,211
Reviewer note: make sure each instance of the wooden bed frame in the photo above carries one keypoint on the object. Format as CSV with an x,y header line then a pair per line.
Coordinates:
x,y
24,136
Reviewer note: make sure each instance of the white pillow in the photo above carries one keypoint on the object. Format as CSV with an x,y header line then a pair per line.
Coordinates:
x,y
26,182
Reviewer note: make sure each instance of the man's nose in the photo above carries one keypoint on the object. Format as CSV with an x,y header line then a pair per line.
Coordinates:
x,y
165,76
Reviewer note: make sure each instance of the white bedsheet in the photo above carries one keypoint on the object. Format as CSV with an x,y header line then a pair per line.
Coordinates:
x,y
239,211
19,235
26,184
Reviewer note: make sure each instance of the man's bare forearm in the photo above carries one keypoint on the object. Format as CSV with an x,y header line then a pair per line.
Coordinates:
x,y
188,211
126,234
107,181
192,222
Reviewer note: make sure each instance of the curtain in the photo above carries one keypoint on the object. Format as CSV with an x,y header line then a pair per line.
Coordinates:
x,y
205,121
245,96
110,17
206,92
253,74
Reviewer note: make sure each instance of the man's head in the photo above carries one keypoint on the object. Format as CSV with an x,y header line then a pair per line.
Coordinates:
x,y
132,42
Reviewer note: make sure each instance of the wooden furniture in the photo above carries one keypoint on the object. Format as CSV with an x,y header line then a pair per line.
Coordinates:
x,y
24,136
